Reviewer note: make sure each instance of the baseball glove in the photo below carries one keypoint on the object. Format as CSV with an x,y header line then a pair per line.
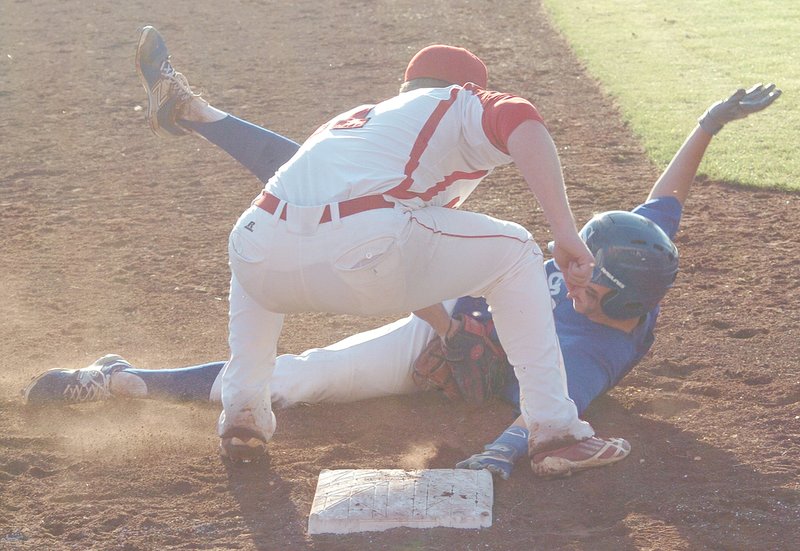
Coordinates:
x,y
469,366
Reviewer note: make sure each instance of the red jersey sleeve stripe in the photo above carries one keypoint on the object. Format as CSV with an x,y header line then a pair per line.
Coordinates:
x,y
502,114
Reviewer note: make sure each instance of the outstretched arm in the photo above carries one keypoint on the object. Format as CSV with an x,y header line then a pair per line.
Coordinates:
x,y
499,456
679,175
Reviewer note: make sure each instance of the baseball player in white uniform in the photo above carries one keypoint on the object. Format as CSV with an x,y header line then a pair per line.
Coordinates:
x,y
374,363
362,220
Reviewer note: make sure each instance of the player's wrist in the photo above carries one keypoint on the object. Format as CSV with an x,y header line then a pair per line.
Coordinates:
x,y
512,444
452,329
710,124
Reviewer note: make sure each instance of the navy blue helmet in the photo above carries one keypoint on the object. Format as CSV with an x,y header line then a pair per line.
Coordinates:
x,y
634,258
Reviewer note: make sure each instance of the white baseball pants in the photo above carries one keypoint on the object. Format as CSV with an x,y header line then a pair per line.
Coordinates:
x,y
383,261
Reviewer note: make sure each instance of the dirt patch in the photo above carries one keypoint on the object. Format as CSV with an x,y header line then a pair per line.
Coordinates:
x,y
112,240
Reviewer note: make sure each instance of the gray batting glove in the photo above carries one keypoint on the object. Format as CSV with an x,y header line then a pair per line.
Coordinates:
x,y
738,106
496,458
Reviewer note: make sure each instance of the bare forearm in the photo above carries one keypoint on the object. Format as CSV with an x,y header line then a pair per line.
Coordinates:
x,y
535,155
677,179
437,317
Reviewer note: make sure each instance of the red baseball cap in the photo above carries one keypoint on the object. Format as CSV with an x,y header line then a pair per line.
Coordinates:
x,y
447,63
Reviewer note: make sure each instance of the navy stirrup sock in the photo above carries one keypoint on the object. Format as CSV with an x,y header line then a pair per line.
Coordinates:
x,y
260,151
185,383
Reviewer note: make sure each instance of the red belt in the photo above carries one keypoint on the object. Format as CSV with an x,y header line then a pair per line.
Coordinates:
x,y
269,203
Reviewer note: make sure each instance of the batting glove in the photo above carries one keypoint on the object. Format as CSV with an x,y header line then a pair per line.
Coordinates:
x,y
740,104
499,456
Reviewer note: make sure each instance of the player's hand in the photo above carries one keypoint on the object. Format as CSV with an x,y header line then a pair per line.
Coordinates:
x,y
575,260
499,456
496,459
740,104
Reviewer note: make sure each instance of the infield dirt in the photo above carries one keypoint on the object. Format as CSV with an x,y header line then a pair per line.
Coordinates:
x,y
113,240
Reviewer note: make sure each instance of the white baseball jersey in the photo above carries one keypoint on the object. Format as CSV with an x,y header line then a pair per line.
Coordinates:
x,y
309,245
426,147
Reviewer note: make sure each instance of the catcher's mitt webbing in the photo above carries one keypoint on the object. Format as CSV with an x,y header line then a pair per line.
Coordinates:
x,y
432,371
468,366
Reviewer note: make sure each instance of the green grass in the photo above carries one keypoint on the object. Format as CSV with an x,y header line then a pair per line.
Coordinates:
x,y
666,61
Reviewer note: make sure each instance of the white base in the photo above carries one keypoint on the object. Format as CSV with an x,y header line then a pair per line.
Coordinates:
x,y
368,500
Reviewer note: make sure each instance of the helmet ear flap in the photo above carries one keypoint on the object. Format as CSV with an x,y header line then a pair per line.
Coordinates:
x,y
621,309
605,301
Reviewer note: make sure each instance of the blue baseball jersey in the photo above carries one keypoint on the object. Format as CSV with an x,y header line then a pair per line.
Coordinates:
x,y
596,357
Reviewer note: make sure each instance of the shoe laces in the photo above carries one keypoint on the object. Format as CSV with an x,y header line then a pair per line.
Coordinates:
x,y
88,387
181,84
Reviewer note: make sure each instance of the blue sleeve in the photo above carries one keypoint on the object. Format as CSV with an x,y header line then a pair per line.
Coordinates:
x,y
592,373
586,380
664,211
472,306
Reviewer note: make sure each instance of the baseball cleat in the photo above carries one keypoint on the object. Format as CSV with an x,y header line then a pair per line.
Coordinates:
x,y
74,386
166,88
242,445
586,454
